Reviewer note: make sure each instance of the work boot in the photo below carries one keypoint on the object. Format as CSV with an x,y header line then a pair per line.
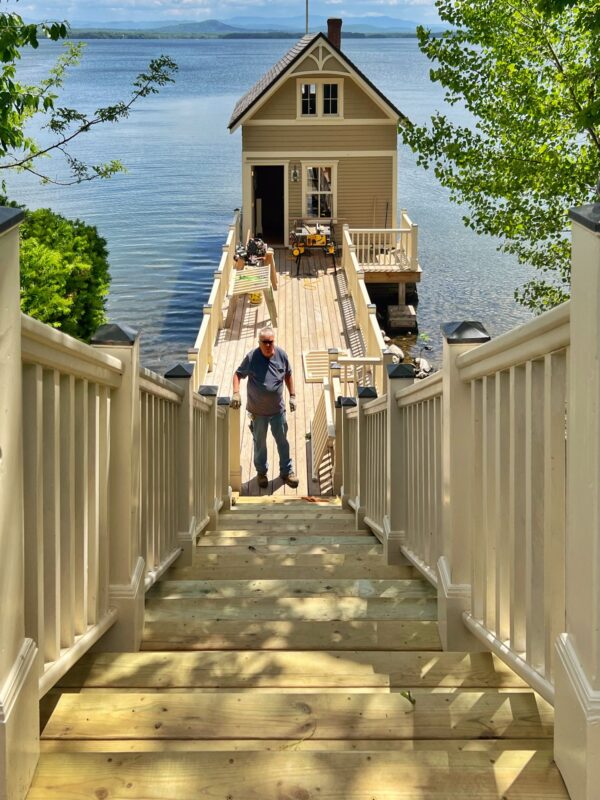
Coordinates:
x,y
262,480
291,480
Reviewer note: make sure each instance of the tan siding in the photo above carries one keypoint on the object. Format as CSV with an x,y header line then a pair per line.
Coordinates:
x,y
319,138
364,188
358,105
333,64
282,105
295,200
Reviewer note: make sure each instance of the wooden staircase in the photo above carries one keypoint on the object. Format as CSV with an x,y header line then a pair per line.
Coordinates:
x,y
290,663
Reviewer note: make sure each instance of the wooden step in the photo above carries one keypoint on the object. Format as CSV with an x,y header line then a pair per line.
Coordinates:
x,y
438,774
251,566
306,512
307,669
291,588
237,550
171,632
289,526
273,538
432,714
186,611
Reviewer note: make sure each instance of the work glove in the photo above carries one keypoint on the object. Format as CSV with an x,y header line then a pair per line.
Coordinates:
x,y
235,401
292,402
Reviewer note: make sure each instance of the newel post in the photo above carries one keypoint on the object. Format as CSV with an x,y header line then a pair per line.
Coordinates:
x,y
365,393
19,711
454,566
398,377
577,671
211,499
343,403
181,375
126,570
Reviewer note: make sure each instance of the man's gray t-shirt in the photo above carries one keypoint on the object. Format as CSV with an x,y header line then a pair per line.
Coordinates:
x,y
265,381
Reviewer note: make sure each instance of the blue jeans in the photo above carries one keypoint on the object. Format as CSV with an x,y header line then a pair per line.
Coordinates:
x,y
279,429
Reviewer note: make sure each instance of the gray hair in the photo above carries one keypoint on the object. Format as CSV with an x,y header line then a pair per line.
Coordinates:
x,y
266,329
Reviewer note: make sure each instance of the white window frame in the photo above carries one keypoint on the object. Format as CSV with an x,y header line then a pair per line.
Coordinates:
x,y
319,83
315,162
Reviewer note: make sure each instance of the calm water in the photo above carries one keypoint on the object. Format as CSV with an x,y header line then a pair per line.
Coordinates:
x,y
166,219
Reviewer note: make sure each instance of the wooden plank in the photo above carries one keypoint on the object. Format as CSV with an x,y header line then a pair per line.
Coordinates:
x,y
299,514
307,669
284,567
202,554
291,588
435,714
183,613
284,526
296,635
275,539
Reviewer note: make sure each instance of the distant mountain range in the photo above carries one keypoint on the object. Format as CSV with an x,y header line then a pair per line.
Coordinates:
x,y
371,25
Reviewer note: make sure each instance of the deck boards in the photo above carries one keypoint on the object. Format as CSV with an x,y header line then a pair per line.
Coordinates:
x,y
314,313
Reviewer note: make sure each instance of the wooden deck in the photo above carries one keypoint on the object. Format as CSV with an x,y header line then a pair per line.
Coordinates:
x,y
314,312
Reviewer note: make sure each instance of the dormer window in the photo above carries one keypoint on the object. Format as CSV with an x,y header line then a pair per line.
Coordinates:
x,y
321,99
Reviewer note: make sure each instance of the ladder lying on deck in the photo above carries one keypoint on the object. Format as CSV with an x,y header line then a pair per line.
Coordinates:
x,y
289,661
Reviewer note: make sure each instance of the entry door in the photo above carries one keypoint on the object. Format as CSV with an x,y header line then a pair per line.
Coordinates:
x,y
269,203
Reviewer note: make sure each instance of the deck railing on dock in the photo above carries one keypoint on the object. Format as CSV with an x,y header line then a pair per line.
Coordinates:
x,y
396,248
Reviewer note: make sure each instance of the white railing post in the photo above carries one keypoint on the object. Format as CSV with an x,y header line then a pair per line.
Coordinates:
x,y
19,712
126,567
181,375
577,681
226,491
454,566
335,375
364,394
211,444
398,377
344,403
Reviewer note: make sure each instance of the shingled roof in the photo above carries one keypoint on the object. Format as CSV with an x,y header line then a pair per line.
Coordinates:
x,y
293,55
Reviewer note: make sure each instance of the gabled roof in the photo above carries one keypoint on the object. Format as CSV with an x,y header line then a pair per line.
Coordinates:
x,y
262,86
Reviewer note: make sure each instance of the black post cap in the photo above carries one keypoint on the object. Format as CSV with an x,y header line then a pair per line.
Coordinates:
x,y
208,391
345,402
9,217
465,333
115,334
223,401
367,393
180,370
401,371
588,216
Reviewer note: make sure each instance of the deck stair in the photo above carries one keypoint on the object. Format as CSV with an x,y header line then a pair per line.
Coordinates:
x,y
290,662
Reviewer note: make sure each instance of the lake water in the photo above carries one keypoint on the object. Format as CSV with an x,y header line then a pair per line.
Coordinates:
x,y
166,219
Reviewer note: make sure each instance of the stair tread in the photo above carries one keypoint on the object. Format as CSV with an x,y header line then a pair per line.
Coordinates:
x,y
315,567
227,539
235,550
435,714
436,775
297,635
378,669
292,588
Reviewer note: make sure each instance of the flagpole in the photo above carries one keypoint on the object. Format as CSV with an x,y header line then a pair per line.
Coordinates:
x,y
307,17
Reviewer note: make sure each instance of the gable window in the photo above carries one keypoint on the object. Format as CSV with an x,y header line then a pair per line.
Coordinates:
x,y
318,192
330,99
320,99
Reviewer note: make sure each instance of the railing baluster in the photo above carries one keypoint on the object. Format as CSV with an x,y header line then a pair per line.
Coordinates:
x,y
516,508
51,515
489,501
501,447
93,503
476,516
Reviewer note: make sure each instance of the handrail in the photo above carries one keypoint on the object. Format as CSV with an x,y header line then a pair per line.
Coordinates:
x,y
155,384
425,389
52,349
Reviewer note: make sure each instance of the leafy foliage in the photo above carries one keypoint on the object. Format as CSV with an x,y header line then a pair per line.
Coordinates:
x,y
64,273
19,103
528,71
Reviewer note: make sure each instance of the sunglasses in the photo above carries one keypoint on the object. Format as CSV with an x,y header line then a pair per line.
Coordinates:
x,y
267,341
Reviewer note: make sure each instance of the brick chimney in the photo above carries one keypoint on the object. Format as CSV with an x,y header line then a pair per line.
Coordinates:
x,y
334,32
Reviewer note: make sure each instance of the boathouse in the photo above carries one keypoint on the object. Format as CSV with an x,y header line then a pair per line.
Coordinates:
x,y
319,144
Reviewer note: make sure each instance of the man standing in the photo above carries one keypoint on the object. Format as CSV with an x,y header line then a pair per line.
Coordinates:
x,y
267,369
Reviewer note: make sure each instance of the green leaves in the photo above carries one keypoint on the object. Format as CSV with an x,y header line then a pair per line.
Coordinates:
x,y
19,103
528,73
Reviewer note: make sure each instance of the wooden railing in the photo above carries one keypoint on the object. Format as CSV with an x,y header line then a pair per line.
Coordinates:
x,y
212,321
396,248
420,420
322,429
122,469
376,457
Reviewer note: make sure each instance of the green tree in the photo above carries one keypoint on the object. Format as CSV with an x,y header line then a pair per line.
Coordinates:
x,y
64,273
528,71
20,102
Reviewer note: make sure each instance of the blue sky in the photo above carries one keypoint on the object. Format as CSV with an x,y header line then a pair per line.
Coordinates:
x,y
177,10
